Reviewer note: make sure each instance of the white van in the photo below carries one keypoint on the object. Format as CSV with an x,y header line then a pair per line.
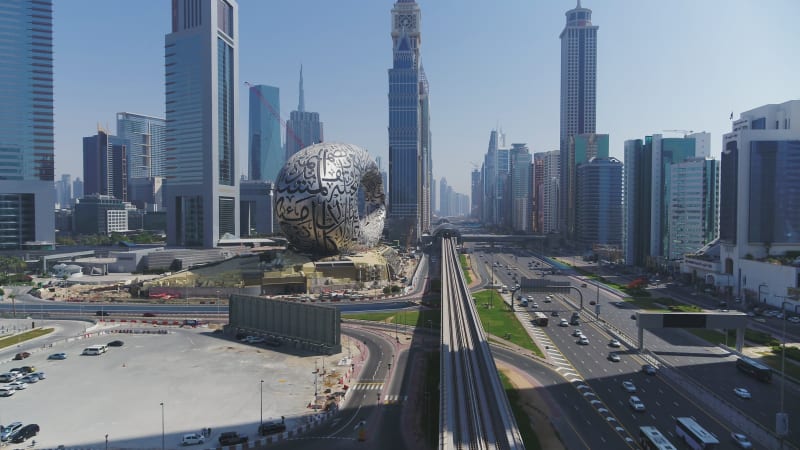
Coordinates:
x,y
95,350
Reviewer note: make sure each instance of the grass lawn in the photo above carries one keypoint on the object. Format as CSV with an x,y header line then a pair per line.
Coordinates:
x,y
22,337
526,431
412,318
501,321
372,317
465,268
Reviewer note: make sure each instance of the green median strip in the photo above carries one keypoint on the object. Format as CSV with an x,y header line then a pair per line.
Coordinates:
x,y
497,319
526,431
22,337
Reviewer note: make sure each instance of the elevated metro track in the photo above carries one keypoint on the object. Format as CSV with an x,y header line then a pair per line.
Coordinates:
x,y
474,410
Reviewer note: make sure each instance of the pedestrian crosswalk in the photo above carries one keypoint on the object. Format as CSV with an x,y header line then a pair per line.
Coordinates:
x,y
396,398
368,386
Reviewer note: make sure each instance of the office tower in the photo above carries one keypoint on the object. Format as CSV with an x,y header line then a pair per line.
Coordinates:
x,y
303,128
256,208
27,196
551,185
599,203
581,148
266,154
145,135
99,214
64,192
202,100
489,181
759,205
105,165
77,189
520,184
502,193
578,99
666,151
408,91
426,163
693,206
638,185
444,199
476,194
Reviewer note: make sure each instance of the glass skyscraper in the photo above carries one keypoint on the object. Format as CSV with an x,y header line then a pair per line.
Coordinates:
x,y
578,100
27,194
145,135
266,152
409,131
202,104
599,203
105,169
303,127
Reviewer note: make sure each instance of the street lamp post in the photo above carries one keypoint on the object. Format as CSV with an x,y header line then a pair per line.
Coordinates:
x,y
106,441
782,417
162,425
261,417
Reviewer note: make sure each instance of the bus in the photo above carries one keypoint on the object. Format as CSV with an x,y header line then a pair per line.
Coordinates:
x,y
540,319
755,369
695,436
652,439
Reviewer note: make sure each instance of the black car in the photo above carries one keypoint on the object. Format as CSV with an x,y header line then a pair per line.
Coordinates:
x,y
116,344
21,355
28,431
101,313
273,427
231,438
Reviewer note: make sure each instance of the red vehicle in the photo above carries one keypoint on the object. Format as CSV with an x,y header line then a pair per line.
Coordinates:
x,y
21,355
148,314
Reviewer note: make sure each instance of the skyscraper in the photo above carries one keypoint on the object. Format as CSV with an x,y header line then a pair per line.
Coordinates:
x,y
64,192
303,128
520,187
578,99
145,135
408,91
426,166
581,148
202,100
599,203
27,196
693,206
638,185
105,165
267,156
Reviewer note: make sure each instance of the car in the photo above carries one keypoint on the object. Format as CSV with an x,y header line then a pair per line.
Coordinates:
x,y
17,385
272,427
636,403
613,357
148,314
6,392
192,439
8,376
116,344
794,319
21,355
231,438
742,393
554,313
741,440
583,285
548,299
629,386
534,305
614,343
9,429
583,341
30,379
28,431
649,369
40,375
58,356
27,369
563,323
592,302
577,332
272,342
779,315
101,313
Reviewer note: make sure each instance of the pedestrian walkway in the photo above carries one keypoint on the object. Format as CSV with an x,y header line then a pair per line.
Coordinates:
x,y
368,386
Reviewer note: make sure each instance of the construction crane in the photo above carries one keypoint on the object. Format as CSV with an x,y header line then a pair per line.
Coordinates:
x,y
289,131
685,132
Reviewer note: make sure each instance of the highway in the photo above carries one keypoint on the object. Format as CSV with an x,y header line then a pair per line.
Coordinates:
x,y
474,410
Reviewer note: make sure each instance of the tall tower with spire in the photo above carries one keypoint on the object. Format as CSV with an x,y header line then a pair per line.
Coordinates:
x,y
303,128
578,103
410,173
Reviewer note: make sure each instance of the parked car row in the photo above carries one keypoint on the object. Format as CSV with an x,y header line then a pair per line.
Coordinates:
x,y
18,379
249,339
16,432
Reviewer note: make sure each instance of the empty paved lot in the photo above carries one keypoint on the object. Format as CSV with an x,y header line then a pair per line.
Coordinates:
x,y
203,380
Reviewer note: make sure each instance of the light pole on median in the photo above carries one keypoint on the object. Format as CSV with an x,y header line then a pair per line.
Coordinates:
x,y
162,425
782,417
261,417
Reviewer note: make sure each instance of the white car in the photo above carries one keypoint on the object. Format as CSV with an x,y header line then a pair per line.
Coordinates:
x,y
563,323
534,305
6,392
794,319
741,440
742,393
636,403
30,379
577,332
629,386
192,439
583,341
17,385
614,343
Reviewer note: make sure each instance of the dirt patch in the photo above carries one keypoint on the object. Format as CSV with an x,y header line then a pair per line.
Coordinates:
x,y
534,406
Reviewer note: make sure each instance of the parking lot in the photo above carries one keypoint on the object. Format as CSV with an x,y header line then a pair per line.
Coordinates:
x,y
203,380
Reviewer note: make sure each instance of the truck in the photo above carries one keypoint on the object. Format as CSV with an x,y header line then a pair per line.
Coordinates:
x,y
575,319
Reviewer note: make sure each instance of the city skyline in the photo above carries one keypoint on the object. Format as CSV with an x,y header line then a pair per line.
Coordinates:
x,y
649,77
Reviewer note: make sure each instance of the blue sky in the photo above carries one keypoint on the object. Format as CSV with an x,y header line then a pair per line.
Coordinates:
x,y
678,64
